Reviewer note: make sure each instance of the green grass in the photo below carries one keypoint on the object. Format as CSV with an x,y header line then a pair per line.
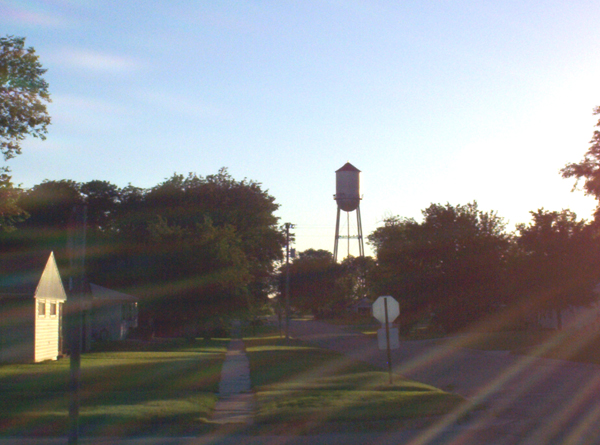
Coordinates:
x,y
155,388
498,341
297,383
580,345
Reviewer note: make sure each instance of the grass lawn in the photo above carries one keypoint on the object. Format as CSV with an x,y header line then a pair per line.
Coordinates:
x,y
580,345
299,384
155,389
498,341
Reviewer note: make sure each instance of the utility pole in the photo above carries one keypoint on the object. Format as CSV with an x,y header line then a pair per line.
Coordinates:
x,y
287,279
76,247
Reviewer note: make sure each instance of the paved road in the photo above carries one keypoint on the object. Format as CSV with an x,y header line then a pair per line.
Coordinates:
x,y
524,400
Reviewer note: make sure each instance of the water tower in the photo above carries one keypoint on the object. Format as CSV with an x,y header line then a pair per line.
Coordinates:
x,y
347,196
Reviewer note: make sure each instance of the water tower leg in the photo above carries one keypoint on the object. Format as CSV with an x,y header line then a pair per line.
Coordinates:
x,y
337,236
361,246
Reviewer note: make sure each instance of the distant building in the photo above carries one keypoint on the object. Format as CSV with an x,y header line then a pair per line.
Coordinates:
x,y
576,317
362,306
573,316
31,307
113,314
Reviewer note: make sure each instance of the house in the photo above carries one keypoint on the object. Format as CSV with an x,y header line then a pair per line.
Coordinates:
x,y
31,307
362,307
113,314
572,316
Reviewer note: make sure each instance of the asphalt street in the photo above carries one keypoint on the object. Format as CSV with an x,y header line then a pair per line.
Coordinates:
x,y
513,399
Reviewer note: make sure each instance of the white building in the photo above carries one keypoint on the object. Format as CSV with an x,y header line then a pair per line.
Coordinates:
x,y
32,297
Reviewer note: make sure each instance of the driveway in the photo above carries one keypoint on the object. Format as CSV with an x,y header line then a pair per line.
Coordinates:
x,y
521,399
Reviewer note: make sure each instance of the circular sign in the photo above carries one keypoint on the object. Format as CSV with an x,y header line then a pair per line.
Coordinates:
x,y
393,309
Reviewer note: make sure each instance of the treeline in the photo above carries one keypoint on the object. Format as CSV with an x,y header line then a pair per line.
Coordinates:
x,y
197,249
460,266
192,248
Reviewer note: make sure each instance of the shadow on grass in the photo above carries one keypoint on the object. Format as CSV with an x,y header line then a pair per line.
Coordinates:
x,y
154,391
297,383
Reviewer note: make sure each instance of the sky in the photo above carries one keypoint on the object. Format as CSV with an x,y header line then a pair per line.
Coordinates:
x,y
434,101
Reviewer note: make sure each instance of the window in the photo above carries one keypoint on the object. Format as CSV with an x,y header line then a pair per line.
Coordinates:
x,y
42,308
53,309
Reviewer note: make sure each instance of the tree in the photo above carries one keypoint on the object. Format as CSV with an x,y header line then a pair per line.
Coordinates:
x,y
23,96
192,247
588,168
102,199
451,264
23,93
558,262
10,212
225,228
323,287
50,204
313,282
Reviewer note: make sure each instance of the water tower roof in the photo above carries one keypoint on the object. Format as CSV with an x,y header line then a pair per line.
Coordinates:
x,y
348,168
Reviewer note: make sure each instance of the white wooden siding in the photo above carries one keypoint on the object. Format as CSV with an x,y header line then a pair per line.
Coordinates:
x,y
50,290
46,335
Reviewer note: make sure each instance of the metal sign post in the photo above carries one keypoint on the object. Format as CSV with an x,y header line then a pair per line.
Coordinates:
x,y
386,309
77,241
387,337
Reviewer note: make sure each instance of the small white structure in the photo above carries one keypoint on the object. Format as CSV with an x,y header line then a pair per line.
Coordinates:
x,y
113,314
31,307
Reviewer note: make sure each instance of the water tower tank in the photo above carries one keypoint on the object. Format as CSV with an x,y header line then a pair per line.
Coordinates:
x,y
347,187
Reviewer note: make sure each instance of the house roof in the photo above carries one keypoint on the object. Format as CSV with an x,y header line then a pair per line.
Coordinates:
x,y
102,294
20,272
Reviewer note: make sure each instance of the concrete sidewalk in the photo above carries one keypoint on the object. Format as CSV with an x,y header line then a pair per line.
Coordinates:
x,y
236,402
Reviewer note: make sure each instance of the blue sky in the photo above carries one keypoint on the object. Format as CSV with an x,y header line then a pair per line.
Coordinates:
x,y
435,101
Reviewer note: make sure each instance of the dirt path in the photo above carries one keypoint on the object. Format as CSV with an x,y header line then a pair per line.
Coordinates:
x,y
526,400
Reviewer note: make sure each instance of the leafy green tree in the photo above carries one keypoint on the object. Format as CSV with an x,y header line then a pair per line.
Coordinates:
x,y
23,96
193,247
162,231
50,204
558,262
195,273
10,212
313,282
49,207
451,264
102,199
322,287
354,282
188,201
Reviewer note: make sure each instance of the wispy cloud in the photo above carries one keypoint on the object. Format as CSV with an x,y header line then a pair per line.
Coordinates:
x,y
96,61
28,16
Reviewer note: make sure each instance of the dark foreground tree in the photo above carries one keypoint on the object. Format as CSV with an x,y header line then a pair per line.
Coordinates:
x,y
193,248
325,288
205,243
451,264
557,265
313,276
